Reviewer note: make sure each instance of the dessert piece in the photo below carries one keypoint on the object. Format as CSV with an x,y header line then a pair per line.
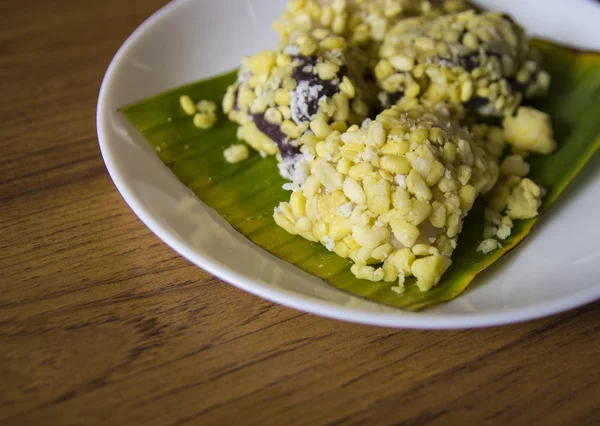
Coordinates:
x,y
312,86
479,62
391,195
359,21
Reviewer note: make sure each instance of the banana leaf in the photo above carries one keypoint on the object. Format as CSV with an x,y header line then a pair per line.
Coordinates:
x,y
246,193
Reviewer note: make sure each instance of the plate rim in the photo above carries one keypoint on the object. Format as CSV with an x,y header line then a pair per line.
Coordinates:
x,y
288,298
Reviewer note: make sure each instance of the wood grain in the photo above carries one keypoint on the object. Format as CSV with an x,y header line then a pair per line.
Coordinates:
x,y
102,324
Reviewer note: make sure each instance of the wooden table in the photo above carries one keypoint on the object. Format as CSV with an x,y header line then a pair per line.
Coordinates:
x,y
102,324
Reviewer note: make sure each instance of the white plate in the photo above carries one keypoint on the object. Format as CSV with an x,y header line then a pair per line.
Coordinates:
x,y
555,269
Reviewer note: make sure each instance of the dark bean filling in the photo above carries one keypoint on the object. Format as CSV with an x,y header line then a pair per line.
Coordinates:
x,y
520,87
235,98
476,103
395,97
328,87
369,76
274,132
509,18
469,62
